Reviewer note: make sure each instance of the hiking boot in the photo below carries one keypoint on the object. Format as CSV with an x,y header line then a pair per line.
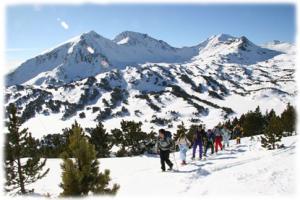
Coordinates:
x,y
170,168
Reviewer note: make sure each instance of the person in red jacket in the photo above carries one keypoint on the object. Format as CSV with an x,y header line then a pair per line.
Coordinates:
x,y
218,137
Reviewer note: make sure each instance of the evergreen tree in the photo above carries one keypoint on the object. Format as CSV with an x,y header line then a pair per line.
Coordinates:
x,y
151,142
131,140
288,119
269,115
101,140
272,133
81,174
242,119
134,136
253,123
119,140
19,143
235,122
181,130
229,125
52,145
192,130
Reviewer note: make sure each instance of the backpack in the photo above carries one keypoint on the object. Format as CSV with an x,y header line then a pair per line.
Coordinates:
x,y
168,134
197,136
211,136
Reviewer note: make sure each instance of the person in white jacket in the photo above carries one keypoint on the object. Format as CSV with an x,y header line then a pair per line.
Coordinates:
x,y
226,134
183,144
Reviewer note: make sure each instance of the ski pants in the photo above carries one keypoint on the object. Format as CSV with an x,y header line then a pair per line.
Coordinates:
x,y
225,142
164,158
183,149
218,143
210,144
197,143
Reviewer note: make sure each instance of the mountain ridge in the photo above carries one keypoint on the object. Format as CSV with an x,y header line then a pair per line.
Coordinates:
x,y
228,77
93,54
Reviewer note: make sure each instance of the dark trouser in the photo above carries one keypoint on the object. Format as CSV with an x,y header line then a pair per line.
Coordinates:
x,y
197,143
164,157
238,140
209,145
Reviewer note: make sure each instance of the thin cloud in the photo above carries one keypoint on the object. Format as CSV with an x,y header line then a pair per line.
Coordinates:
x,y
63,24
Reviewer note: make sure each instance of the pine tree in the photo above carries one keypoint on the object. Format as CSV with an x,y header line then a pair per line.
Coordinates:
x,y
134,136
235,122
181,130
269,115
101,140
272,133
119,140
21,171
191,132
253,123
288,119
81,174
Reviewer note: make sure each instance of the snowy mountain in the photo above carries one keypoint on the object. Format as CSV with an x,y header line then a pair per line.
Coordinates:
x,y
90,54
136,77
240,170
281,46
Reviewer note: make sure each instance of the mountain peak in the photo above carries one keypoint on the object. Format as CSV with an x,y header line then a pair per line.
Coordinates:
x,y
222,37
130,37
90,34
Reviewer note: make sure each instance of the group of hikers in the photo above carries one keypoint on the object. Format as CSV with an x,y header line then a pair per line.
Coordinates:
x,y
202,139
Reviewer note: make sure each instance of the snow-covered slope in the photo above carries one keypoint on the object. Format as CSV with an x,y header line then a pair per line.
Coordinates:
x,y
90,78
244,169
280,46
233,50
89,54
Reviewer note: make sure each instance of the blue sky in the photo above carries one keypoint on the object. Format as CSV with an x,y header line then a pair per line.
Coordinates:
x,y
32,29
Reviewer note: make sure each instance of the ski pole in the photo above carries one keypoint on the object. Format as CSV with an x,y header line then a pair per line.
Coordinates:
x,y
175,160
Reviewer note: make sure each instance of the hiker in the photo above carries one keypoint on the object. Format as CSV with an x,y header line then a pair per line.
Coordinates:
x,y
238,132
183,144
198,141
226,134
205,143
210,142
164,145
218,137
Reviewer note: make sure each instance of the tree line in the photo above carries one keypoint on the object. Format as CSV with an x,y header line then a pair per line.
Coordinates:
x,y
25,156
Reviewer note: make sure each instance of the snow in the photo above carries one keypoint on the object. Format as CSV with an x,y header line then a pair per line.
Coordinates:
x,y
245,169
90,49
265,80
130,49
123,41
